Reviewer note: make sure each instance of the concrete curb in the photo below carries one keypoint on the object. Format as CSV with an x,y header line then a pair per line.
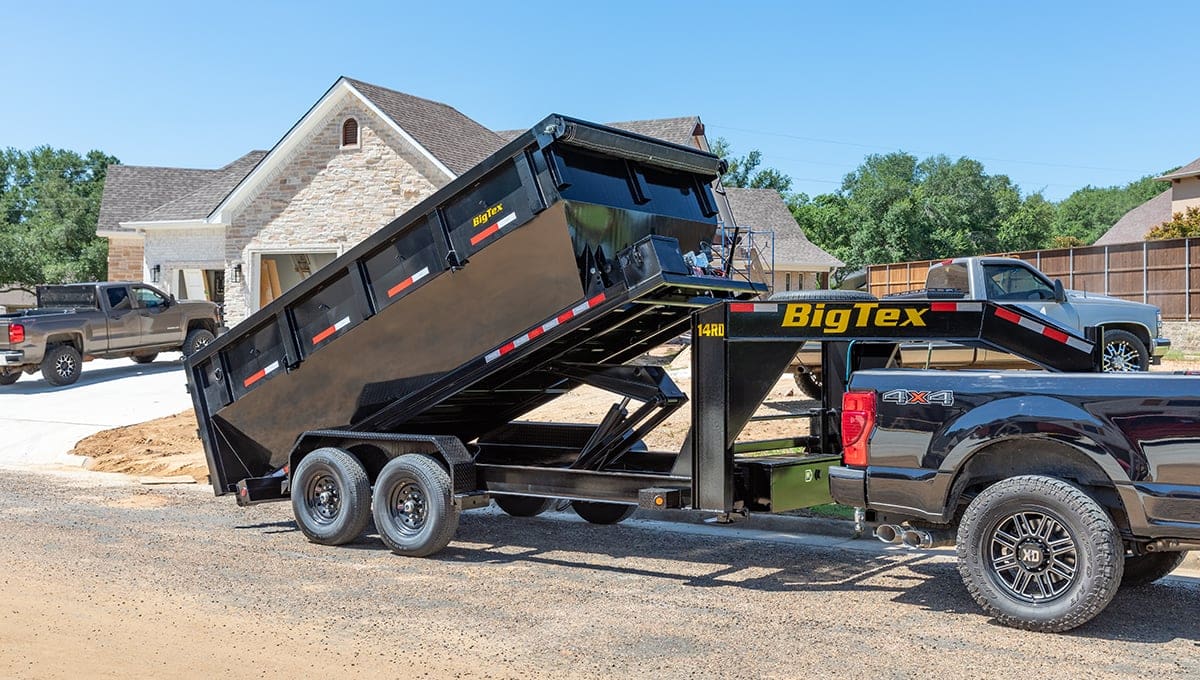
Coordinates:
x,y
821,526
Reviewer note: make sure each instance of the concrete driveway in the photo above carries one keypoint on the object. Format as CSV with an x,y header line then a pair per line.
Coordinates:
x,y
41,423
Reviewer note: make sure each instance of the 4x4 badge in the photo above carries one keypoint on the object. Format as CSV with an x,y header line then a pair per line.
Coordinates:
x,y
913,397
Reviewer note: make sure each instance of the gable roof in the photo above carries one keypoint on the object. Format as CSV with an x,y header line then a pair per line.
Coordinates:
x,y
1133,225
765,209
454,139
198,204
1190,170
131,191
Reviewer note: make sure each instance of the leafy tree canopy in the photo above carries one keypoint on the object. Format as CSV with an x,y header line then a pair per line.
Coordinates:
x,y
49,203
1181,225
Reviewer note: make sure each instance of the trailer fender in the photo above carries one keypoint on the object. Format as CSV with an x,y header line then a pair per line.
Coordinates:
x,y
375,449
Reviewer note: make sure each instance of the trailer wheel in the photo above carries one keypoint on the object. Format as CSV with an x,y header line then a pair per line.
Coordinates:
x,y
602,513
331,497
144,358
1040,554
61,365
9,378
1142,570
523,506
414,508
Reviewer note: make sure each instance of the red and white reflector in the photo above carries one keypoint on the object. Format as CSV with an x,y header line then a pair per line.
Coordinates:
x,y
544,328
328,332
754,307
399,287
956,306
1042,329
262,373
488,231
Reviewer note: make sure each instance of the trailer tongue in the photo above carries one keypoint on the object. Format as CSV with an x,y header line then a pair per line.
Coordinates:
x,y
395,376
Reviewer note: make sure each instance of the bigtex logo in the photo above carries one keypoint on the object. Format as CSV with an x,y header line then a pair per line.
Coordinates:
x,y
861,315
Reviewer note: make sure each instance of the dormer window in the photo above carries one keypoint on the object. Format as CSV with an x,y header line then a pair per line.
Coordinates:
x,y
350,132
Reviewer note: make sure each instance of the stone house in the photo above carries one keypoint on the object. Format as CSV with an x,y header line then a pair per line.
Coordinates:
x,y
361,156
1183,193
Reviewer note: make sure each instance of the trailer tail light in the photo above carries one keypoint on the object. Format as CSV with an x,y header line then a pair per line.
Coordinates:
x,y
858,420
16,334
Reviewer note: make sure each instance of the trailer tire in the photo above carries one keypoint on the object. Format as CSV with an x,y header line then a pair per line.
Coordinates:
x,y
414,507
9,378
1142,570
144,358
523,506
1024,535
331,497
61,365
603,513
196,340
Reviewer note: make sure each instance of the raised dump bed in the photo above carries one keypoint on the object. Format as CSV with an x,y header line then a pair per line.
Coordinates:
x,y
565,248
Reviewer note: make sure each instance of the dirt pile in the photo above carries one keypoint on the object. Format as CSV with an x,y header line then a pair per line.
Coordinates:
x,y
165,447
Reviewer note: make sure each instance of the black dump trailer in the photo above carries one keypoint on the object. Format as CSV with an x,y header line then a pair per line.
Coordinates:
x,y
392,382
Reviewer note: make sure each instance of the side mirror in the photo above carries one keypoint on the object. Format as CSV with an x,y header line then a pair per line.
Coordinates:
x,y
1060,294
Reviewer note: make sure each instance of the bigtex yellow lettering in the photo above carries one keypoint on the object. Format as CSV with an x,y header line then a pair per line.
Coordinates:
x,y
860,315
487,214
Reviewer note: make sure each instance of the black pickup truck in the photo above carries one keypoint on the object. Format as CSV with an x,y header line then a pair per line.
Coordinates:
x,y
1057,489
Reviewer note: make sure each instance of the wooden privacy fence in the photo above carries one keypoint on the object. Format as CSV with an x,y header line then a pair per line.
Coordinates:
x,y
1161,273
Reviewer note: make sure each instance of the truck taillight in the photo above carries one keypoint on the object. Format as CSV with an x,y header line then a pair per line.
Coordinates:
x,y
858,419
16,333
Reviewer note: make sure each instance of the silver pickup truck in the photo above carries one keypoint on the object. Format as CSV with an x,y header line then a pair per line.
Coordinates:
x,y
77,322
1132,330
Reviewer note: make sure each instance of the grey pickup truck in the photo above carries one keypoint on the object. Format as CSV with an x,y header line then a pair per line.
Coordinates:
x,y
77,322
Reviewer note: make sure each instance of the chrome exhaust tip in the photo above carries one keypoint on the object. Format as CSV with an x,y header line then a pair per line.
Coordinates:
x,y
888,533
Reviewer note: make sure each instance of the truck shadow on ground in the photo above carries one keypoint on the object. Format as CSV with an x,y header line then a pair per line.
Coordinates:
x,y
1157,613
35,384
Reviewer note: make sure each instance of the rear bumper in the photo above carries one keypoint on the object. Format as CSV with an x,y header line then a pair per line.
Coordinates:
x,y
13,357
848,486
1159,347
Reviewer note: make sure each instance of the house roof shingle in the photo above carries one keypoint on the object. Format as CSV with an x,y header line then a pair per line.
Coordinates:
x,y
765,209
675,130
131,191
454,139
1190,170
1133,225
201,202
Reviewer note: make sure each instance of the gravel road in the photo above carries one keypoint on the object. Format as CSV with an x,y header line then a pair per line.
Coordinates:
x,y
100,578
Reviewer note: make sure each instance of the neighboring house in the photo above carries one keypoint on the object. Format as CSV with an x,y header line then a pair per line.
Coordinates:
x,y
16,300
1184,193
794,263
361,156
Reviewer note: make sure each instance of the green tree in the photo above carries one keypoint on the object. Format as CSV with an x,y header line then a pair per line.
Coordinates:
x,y
746,171
1089,212
49,203
1181,225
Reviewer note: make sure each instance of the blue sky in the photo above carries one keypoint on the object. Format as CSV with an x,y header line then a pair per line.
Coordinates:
x,y
1056,95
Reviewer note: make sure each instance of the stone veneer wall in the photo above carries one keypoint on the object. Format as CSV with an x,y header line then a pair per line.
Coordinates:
x,y
190,248
326,196
125,257
1184,335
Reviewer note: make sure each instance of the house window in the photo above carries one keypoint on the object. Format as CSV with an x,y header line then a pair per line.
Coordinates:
x,y
787,281
350,132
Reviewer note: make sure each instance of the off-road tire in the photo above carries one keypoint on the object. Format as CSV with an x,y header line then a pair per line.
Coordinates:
x,y
144,358
1142,570
603,513
61,365
9,378
331,497
196,340
1095,548
523,506
414,507
808,382
1124,352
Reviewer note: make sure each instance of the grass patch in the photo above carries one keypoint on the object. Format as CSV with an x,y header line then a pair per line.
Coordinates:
x,y
829,511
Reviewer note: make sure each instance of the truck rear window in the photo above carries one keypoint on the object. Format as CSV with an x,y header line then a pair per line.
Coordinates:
x,y
63,297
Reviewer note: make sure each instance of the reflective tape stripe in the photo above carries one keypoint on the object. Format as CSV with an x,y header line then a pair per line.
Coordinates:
x,y
1042,329
544,328
743,307
325,334
508,219
956,306
399,287
271,367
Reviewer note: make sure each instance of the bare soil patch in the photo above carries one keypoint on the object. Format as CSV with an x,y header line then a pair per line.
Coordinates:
x,y
157,448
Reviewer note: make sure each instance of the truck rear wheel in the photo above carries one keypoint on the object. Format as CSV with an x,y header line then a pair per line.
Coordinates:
x,y
1124,352
331,497
1039,554
144,358
523,506
1142,570
61,365
196,340
413,506
9,378
603,513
